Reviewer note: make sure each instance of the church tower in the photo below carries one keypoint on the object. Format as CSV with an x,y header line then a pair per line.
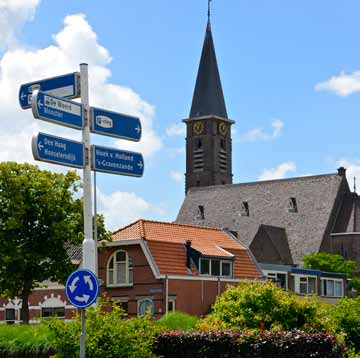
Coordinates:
x,y
208,132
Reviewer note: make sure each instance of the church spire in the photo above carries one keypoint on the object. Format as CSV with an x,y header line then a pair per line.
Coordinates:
x,y
208,96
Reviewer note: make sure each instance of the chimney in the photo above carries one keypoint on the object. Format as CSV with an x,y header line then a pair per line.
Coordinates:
x,y
188,248
341,171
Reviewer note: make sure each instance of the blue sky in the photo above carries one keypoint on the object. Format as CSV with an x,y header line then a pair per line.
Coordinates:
x,y
289,73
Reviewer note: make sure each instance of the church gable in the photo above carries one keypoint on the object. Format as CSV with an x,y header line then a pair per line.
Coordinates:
x,y
268,204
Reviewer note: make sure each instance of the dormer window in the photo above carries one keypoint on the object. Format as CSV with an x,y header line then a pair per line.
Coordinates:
x,y
201,212
292,206
245,211
215,267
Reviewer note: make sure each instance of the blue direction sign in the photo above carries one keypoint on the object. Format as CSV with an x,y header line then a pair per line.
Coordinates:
x,y
122,162
82,288
48,148
57,110
65,86
115,124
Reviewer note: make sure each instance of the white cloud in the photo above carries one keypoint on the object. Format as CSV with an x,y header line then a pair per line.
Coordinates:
x,y
74,44
121,208
177,176
352,170
177,129
258,134
13,15
342,85
278,172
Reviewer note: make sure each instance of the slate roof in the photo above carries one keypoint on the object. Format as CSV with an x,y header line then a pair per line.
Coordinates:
x,y
166,244
317,198
208,98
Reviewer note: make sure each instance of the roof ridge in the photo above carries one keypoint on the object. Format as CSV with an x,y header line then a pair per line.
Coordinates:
x,y
181,224
263,182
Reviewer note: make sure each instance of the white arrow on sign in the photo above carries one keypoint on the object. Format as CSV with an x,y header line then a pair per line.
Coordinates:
x,y
83,298
39,104
87,279
140,164
23,95
40,146
72,287
138,129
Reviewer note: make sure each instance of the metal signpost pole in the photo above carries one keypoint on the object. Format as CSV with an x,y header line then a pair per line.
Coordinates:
x,y
88,243
82,335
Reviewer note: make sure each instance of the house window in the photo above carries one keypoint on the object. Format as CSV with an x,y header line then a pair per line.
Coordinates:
x,y
120,269
10,314
280,278
53,312
245,211
145,305
292,208
171,305
201,212
215,267
122,302
331,287
305,285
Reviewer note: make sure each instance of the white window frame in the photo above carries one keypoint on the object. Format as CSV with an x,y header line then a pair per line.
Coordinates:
x,y
127,282
274,275
173,301
220,261
140,300
297,280
339,280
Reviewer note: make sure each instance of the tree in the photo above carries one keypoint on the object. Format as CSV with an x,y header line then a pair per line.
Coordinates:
x,y
329,263
38,215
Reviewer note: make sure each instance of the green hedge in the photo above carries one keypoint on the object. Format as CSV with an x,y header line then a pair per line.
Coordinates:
x,y
226,344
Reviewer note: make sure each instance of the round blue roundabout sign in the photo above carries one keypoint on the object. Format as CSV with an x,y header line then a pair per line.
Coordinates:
x,y
82,288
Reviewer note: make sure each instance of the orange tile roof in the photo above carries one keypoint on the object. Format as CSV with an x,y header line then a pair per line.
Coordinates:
x,y
166,243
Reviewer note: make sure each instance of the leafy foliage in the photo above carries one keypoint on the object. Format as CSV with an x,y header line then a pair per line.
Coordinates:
x,y
25,339
258,305
221,344
329,263
177,320
108,335
38,215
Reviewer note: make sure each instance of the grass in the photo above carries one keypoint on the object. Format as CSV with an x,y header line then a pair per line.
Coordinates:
x,y
177,320
25,338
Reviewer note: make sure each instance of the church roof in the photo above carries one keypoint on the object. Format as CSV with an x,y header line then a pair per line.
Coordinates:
x,y
208,98
316,197
166,244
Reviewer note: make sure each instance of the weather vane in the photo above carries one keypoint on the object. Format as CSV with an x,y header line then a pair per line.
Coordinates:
x,y
209,1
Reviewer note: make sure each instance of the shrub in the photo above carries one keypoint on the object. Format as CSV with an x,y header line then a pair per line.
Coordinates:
x,y
221,344
177,320
108,334
346,316
25,339
258,305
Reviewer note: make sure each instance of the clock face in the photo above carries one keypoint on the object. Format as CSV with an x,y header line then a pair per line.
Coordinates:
x,y
198,127
223,128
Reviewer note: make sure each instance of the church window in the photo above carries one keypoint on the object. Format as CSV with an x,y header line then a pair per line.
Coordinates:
x,y
120,269
222,143
292,208
201,212
199,144
198,183
245,210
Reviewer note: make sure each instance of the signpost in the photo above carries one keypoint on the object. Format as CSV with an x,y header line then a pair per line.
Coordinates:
x,y
82,289
57,110
65,86
114,161
57,150
114,124
49,100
